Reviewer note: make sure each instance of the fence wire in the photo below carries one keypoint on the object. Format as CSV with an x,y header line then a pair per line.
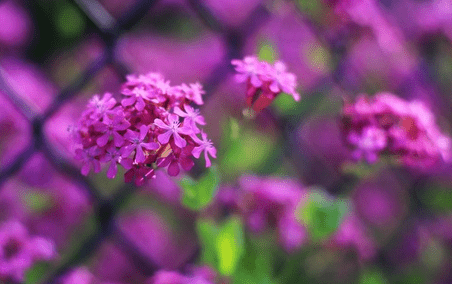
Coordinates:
x,y
109,30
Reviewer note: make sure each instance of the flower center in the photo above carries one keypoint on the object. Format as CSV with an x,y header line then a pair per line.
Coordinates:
x,y
175,125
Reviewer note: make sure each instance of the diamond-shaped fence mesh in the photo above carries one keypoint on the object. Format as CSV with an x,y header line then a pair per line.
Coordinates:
x,y
108,30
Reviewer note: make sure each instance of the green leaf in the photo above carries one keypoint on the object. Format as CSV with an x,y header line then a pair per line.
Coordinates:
x,y
256,266
372,277
207,233
322,215
285,104
362,169
37,201
198,194
69,21
248,153
267,52
230,246
36,273
438,198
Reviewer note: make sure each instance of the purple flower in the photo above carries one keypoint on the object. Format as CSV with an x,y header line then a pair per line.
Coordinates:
x,y
113,154
192,117
138,95
192,92
250,68
271,202
137,143
145,115
283,81
99,108
291,234
371,141
398,128
80,275
88,157
174,159
205,145
173,129
352,233
110,127
19,251
139,174
151,87
195,93
264,81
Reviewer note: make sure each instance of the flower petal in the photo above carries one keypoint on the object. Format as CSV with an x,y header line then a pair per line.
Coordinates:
x,y
112,170
118,139
103,140
143,132
85,169
96,165
161,124
197,151
139,154
173,118
140,104
127,150
208,163
212,151
179,112
151,145
164,138
128,101
173,169
130,135
179,141
126,163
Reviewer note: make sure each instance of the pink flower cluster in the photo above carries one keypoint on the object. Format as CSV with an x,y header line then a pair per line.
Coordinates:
x,y
388,125
353,234
264,81
19,251
153,126
269,203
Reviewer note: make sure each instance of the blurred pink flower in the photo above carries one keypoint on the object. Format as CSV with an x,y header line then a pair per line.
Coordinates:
x,y
388,125
19,251
352,234
264,81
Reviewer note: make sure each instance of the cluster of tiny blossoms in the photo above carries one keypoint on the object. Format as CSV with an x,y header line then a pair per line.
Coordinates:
x,y
264,81
269,202
388,125
153,126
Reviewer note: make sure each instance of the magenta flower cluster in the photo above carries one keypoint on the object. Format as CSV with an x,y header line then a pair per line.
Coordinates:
x,y
19,251
388,125
153,126
267,203
264,81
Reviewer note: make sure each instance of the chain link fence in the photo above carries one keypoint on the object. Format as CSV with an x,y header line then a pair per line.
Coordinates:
x,y
109,30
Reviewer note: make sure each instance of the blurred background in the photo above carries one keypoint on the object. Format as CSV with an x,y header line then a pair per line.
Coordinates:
x,y
284,203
